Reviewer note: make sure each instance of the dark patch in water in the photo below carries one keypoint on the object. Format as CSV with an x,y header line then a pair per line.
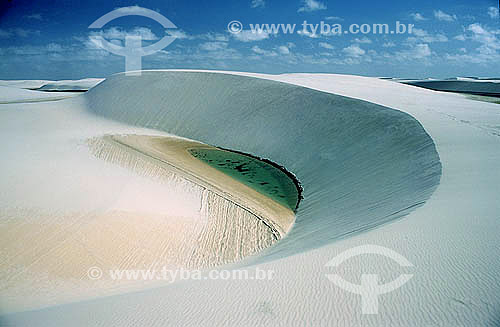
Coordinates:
x,y
262,175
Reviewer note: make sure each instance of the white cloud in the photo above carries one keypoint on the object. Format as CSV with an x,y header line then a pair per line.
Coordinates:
x,y
460,37
283,49
417,51
258,4
50,49
19,32
487,38
441,15
178,34
389,45
488,51
419,32
363,40
251,36
215,37
258,50
334,18
311,5
354,51
207,53
213,46
493,12
421,51
263,52
34,16
213,52
116,36
421,35
307,33
54,47
418,17
115,33
326,45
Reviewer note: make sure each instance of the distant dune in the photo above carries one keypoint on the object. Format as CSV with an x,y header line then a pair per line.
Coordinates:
x,y
461,85
54,86
17,95
70,85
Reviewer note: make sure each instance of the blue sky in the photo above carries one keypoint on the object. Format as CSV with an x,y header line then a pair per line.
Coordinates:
x,y
51,39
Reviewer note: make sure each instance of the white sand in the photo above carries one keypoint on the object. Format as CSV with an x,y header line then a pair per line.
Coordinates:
x,y
62,85
71,85
17,95
24,84
452,240
170,217
174,151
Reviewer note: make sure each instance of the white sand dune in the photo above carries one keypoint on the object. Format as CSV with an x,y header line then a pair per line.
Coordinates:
x,y
24,84
16,95
71,85
62,85
317,136
362,166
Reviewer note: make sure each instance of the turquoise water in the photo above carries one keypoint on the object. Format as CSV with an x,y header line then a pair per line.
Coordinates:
x,y
260,175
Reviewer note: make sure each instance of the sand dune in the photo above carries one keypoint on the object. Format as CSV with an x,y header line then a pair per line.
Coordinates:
x,y
362,164
462,85
24,84
44,85
46,255
70,85
15,95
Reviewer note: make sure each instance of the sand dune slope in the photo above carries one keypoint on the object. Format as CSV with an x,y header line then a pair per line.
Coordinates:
x,y
361,165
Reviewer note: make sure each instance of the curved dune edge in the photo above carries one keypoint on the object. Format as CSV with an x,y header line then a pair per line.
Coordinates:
x,y
174,153
361,164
